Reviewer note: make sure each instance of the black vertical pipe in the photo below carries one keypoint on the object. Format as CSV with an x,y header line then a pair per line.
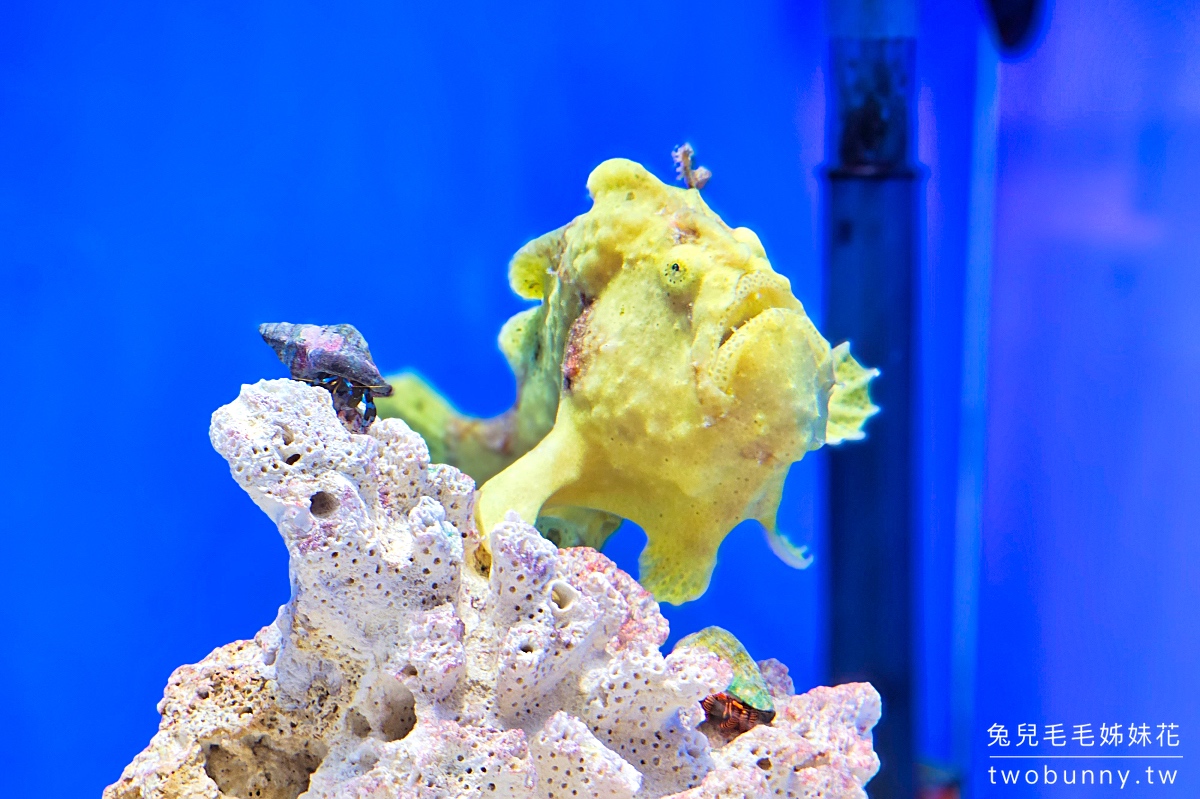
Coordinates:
x,y
872,205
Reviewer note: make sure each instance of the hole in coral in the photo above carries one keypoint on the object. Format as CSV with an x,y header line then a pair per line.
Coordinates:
x,y
482,560
256,769
323,504
288,436
366,761
409,671
291,460
400,715
764,763
357,724
562,594
526,647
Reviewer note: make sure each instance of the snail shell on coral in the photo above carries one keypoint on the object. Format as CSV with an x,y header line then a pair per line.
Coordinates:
x,y
746,702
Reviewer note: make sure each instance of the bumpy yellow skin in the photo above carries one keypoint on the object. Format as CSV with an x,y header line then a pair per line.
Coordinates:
x,y
668,376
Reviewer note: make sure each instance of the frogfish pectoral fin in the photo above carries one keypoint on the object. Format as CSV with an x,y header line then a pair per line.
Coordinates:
x,y
531,480
794,555
479,447
675,571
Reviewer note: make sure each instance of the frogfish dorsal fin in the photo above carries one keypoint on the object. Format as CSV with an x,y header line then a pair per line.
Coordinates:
x,y
850,403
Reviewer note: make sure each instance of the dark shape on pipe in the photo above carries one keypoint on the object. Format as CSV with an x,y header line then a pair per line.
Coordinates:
x,y
1015,24
872,212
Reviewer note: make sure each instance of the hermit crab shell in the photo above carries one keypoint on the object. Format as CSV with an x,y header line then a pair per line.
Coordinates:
x,y
310,351
747,685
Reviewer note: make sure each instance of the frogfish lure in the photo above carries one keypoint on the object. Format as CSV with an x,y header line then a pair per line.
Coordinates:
x,y
746,702
336,358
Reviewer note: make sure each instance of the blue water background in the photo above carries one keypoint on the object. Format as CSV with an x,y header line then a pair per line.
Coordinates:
x,y
170,176
1090,605
174,176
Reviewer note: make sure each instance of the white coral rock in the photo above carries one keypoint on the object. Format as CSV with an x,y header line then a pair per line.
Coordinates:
x,y
412,661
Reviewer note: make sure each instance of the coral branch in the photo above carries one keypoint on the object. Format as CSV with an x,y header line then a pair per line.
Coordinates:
x,y
412,662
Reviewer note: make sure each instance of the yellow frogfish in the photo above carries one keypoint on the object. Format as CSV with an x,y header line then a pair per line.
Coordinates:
x,y
667,376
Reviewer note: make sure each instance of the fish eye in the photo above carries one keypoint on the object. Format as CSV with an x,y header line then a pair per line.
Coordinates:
x,y
676,276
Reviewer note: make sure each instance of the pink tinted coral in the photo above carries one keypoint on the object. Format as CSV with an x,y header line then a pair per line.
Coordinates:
x,y
414,661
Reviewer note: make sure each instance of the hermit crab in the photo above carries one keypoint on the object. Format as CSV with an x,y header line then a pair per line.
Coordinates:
x,y
746,701
336,358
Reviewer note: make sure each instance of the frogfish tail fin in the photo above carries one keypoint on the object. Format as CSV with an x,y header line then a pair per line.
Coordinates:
x,y
422,408
476,446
